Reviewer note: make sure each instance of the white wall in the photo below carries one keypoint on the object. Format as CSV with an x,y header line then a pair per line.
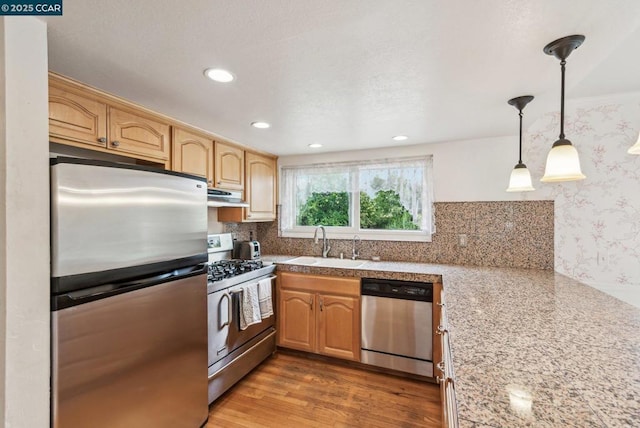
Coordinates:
x,y
24,224
597,221
470,170
213,225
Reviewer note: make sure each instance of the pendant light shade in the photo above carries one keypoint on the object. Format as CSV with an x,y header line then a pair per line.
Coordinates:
x,y
563,163
520,180
635,149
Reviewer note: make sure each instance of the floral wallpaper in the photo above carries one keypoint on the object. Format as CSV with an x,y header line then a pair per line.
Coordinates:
x,y
597,220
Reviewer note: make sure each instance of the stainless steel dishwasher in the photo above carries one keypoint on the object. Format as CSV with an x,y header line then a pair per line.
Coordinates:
x,y
397,325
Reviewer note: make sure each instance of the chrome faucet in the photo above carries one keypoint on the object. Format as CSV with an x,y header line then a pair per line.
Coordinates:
x,y
325,242
355,253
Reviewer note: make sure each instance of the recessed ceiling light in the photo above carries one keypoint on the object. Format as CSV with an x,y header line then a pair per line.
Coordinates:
x,y
260,125
219,75
315,145
400,137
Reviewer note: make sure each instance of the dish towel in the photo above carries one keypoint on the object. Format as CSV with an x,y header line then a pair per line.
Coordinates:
x,y
264,297
250,313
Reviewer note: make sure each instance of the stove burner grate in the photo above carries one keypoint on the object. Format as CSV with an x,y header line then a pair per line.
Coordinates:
x,y
229,268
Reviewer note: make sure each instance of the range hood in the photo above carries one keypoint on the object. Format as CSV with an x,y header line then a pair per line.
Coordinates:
x,y
225,198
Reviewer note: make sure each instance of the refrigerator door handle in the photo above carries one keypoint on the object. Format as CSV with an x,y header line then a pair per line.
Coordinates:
x,y
74,298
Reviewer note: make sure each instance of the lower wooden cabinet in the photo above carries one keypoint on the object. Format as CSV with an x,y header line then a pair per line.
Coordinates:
x,y
444,361
338,324
297,320
319,314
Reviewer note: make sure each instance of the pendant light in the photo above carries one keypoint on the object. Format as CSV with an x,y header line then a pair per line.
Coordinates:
x,y
520,180
635,149
563,163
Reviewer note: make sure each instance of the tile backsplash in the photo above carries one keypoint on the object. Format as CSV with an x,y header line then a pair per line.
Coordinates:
x,y
241,231
502,234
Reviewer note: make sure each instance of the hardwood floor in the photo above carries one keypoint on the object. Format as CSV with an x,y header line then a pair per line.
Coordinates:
x,y
295,391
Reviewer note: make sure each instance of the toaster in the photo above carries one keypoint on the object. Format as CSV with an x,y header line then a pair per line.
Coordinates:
x,y
246,250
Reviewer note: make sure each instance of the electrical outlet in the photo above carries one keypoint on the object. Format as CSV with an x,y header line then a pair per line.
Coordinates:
x,y
462,240
603,258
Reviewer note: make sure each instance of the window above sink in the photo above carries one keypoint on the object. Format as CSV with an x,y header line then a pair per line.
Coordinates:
x,y
387,199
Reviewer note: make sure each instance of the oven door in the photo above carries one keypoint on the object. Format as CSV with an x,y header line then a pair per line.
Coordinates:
x,y
219,309
225,335
239,337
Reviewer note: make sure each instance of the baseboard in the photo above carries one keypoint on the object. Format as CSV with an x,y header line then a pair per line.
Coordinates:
x,y
353,364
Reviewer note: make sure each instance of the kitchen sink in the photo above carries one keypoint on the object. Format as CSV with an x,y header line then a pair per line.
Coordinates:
x,y
341,263
328,262
307,261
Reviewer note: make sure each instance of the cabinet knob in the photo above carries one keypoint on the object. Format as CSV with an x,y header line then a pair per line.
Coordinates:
x,y
248,215
219,183
115,143
102,140
445,380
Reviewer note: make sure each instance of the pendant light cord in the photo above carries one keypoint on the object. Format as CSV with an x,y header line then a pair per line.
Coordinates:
x,y
520,149
562,68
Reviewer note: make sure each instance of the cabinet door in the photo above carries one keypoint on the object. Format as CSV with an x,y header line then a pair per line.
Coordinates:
x,y
438,305
229,166
339,326
447,386
193,154
76,120
137,135
296,320
260,187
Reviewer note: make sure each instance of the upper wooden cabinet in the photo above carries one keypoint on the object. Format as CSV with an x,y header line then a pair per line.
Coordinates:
x,y
84,117
229,166
320,314
260,191
138,135
260,187
192,153
76,120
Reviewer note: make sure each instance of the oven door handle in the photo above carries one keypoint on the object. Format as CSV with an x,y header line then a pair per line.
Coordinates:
x,y
229,311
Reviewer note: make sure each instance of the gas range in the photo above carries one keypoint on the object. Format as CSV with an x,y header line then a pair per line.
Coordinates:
x,y
223,269
226,272
229,273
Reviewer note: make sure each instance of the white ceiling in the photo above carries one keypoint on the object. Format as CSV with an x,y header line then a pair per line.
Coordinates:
x,y
348,74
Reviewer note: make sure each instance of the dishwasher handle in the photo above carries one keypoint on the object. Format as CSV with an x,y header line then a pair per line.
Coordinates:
x,y
394,289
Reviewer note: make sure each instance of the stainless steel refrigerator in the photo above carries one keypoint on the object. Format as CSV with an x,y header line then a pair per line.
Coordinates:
x,y
128,296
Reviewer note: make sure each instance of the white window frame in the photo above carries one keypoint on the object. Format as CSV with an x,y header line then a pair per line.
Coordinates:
x,y
348,232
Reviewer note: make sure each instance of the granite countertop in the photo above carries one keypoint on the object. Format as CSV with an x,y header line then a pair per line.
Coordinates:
x,y
530,347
